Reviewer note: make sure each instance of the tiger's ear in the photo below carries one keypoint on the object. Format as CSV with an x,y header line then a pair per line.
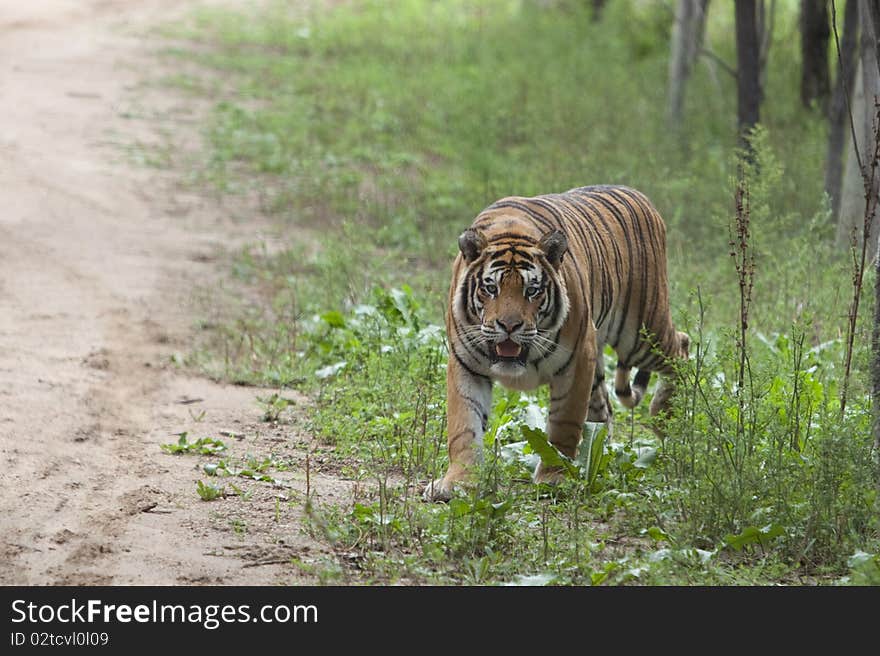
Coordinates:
x,y
554,244
471,242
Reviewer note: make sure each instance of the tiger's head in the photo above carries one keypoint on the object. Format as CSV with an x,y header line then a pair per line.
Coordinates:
x,y
513,298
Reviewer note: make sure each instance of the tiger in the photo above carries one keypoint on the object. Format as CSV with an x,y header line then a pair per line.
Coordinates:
x,y
539,286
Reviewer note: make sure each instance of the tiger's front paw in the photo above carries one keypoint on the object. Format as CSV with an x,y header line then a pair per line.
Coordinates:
x,y
438,491
443,489
549,475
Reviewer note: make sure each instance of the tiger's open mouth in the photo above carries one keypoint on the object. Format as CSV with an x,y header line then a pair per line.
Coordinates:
x,y
509,351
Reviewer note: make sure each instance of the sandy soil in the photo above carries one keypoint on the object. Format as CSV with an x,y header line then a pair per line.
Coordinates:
x,y
100,262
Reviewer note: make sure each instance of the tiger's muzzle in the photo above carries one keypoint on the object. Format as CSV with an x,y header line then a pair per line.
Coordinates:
x,y
509,351
509,342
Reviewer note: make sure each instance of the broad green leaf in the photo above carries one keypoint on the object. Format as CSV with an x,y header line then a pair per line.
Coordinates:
x,y
334,319
590,451
598,578
647,455
657,534
752,535
550,456
460,507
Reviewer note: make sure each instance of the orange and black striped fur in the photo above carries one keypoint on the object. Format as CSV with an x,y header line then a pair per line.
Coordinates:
x,y
540,286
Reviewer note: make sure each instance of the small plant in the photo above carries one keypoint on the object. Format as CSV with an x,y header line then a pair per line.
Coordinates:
x,y
205,446
209,491
252,470
273,406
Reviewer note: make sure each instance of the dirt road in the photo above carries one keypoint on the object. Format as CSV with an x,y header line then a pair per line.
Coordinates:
x,y
98,262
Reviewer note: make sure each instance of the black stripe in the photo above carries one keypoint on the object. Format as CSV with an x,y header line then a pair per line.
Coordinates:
x,y
642,378
624,307
515,237
461,434
566,365
658,248
590,214
510,203
646,264
466,367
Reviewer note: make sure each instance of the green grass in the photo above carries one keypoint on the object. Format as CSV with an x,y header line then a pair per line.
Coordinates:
x,y
383,128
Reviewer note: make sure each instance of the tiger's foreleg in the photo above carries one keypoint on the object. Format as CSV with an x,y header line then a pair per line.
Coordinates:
x,y
569,401
468,402
600,405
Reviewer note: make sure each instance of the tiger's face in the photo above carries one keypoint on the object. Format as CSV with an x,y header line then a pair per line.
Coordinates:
x,y
516,296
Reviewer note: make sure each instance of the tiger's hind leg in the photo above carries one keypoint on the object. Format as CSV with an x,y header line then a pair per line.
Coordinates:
x,y
662,401
630,395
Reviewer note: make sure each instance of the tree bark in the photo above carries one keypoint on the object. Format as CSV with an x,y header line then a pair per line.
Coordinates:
x,y
686,42
871,11
867,90
875,373
871,22
815,32
838,116
748,66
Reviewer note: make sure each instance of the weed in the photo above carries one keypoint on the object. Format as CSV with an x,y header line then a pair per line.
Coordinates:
x,y
274,406
206,446
209,491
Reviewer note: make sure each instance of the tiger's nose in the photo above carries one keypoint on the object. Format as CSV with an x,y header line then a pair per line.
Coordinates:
x,y
508,325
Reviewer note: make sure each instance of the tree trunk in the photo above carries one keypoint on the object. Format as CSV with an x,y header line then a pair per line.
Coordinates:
x,y
686,42
875,373
748,87
598,6
870,11
815,32
838,115
867,89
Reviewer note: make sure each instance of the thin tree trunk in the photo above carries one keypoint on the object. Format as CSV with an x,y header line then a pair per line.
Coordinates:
x,y
871,11
686,42
748,68
598,6
815,32
765,21
867,90
838,116
875,372
852,186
